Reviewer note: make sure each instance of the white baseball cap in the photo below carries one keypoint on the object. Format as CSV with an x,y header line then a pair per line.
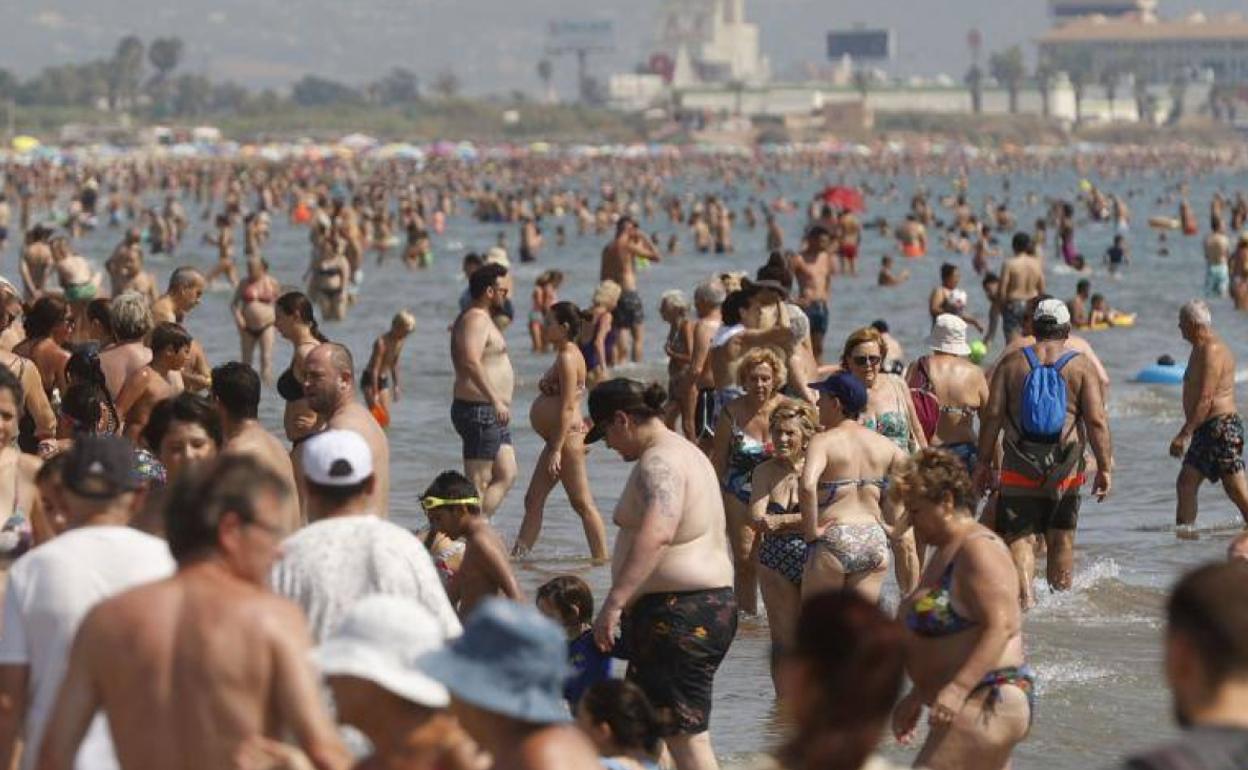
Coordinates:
x,y
337,458
1052,310
381,639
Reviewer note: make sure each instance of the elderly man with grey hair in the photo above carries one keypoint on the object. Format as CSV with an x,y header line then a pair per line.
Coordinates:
x,y
131,320
708,297
1211,441
186,289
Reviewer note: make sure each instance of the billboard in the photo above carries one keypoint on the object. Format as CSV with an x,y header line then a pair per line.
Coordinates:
x,y
875,44
574,34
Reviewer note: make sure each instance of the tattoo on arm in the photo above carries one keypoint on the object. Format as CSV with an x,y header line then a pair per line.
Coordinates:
x,y
660,487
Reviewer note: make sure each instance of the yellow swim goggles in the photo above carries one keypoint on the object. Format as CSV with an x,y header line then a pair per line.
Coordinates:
x,y
429,502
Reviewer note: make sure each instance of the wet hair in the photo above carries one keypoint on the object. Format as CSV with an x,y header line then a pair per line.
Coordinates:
x,y
931,474
623,224
571,597
853,664
760,357
130,315
297,305
184,278
84,404
1096,298
880,325
451,485
990,277
169,336
83,368
567,315
860,337
623,706
184,407
1022,243
734,305
201,498
1209,608
485,278
98,311
9,382
473,260
44,316
236,386
1083,285
807,417
947,270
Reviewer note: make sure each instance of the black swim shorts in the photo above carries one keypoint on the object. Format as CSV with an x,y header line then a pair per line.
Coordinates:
x,y
817,312
1217,447
630,311
477,424
674,643
1040,488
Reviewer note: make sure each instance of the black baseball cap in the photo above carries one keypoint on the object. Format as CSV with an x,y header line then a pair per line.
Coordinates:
x,y
101,467
615,395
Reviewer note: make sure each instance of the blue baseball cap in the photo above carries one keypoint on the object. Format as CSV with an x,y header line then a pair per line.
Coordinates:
x,y
846,388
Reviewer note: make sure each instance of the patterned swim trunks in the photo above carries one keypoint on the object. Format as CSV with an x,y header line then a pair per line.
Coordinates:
x,y
1217,447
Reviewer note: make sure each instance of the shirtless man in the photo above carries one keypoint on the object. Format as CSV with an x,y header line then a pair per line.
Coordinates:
x,y
214,624
484,384
186,289
131,319
619,264
912,236
159,380
671,566
380,380
454,509
708,299
813,269
125,268
1213,433
36,265
1022,278
1217,257
1073,342
236,394
530,239
1041,476
329,387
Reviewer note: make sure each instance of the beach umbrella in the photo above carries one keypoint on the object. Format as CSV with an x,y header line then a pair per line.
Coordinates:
x,y
845,198
357,141
24,143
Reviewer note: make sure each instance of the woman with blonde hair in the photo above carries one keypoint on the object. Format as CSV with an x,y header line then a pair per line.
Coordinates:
x,y
776,517
889,410
740,445
597,337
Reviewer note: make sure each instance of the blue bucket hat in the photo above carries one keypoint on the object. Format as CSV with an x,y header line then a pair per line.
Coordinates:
x,y
511,660
846,388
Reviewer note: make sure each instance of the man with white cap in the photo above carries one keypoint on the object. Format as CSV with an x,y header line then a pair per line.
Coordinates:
x,y
505,676
348,551
1047,400
954,385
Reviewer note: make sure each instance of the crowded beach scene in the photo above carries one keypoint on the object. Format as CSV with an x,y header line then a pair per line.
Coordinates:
x,y
737,392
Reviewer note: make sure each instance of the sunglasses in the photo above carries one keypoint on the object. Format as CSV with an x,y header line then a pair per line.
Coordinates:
x,y
429,502
866,360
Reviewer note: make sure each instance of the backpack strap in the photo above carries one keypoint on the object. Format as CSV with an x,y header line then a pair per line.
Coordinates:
x,y
1065,359
1030,354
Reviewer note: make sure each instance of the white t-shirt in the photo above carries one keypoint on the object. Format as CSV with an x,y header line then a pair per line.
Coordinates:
x,y
329,565
50,591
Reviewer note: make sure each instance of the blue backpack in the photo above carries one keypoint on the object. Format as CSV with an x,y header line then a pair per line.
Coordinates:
x,y
1044,398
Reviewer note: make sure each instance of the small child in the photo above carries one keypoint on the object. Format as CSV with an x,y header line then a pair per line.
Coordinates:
x,y
380,379
568,601
1117,255
887,277
454,508
1101,314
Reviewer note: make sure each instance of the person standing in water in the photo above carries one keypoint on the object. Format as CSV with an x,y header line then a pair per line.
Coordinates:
x,y
556,416
1213,432
619,264
380,381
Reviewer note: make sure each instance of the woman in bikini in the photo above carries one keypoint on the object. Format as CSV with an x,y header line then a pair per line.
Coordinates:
x,y
889,410
674,309
959,386
49,327
776,517
296,322
328,276
22,525
254,314
224,241
964,648
739,446
847,521
556,416
545,295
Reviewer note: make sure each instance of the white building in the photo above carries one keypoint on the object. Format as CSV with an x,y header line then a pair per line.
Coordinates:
x,y
709,41
1070,9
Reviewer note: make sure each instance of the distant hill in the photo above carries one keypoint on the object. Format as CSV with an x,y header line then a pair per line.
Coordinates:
x,y
493,45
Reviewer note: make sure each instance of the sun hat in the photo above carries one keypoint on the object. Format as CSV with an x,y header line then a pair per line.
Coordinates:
x,y
511,660
381,639
949,335
1052,311
845,388
337,458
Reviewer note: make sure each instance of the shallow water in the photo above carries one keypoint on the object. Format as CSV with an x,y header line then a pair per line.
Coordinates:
x,y
1096,648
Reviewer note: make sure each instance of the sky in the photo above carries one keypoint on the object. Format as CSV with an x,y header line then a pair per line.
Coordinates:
x,y
492,45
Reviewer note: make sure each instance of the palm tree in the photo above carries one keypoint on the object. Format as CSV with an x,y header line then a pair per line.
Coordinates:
x,y
1109,81
164,54
975,81
126,69
1008,68
1045,75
